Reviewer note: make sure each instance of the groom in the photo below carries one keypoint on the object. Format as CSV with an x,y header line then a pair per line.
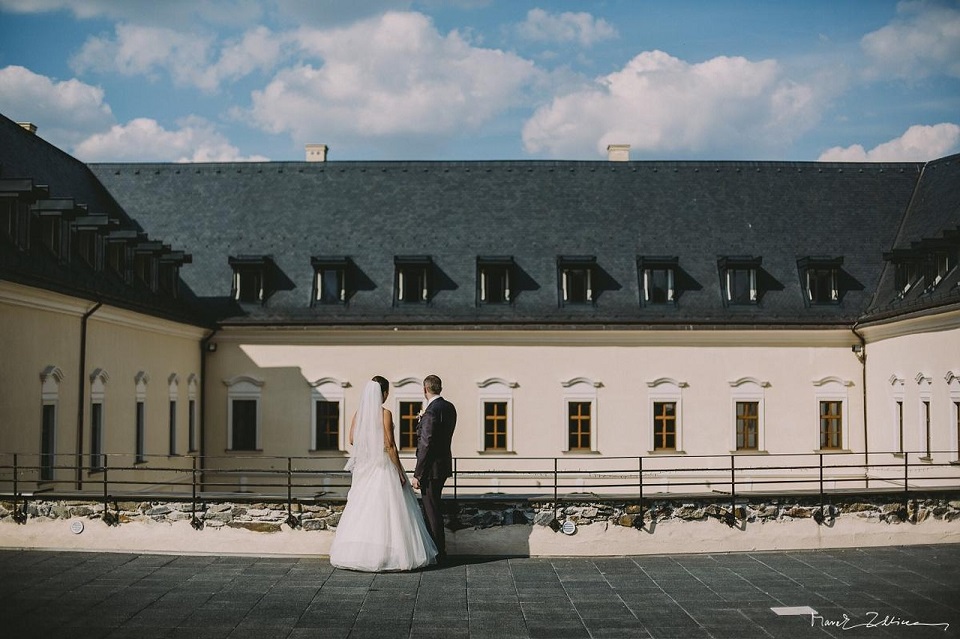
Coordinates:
x,y
434,460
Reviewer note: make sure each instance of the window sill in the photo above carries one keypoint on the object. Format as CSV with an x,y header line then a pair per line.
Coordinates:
x,y
141,462
580,451
327,452
898,455
749,452
832,451
243,450
666,452
926,460
492,453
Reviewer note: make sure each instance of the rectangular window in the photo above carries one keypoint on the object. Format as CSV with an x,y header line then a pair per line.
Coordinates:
x,y
900,426
330,285
244,424
578,425
926,429
117,259
577,286
494,284
51,228
748,422
956,426
831,425
413,286
408,424
173,427
8,218
47,442
192,424
495,426
907,273
96,436
665,425
140,434
328,425
822,286
248,285
658,285
741,285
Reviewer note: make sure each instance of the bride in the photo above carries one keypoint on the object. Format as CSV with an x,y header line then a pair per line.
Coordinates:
x,y
381,527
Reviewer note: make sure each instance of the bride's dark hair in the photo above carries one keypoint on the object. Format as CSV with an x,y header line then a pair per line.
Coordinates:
x,y
384,384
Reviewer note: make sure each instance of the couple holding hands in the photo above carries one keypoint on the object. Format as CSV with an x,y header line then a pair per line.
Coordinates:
x,y
382,528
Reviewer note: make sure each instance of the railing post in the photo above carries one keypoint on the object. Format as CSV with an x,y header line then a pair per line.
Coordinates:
x,y
289,487
733,483
821,482
107,519
556,481
906,480
640,467
193,482
455,478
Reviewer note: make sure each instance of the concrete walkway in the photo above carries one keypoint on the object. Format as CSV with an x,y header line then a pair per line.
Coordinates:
x,y
876,592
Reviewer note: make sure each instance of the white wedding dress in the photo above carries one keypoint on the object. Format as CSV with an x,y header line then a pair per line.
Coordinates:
x,y
381,528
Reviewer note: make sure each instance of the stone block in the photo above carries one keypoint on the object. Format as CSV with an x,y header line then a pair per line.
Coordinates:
x,y
313,524
256,526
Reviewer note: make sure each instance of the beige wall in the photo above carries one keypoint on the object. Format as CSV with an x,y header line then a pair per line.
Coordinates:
x,y
39,330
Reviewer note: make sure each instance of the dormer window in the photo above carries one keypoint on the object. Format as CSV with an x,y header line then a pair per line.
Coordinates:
x,y
576,275
145,263
16,196
938,262
250,278
820,277
412,282
89,231
53,217
738,275
493,279
329,279
169,271
658,279
120,252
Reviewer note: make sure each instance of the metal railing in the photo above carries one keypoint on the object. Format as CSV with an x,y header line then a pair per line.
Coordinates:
x,y
121,477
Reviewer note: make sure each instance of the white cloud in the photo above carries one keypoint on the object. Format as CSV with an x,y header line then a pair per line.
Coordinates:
x,y
144,140
583,28
660,104
139,50
63,111
919,144
923,40
393,75
168,13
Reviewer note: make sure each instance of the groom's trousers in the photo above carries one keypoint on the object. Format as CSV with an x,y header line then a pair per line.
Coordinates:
x,y
431,490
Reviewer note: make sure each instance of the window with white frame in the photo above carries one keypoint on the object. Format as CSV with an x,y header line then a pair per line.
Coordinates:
x,y
173,387
408,401
330,279
896,413
140,381
831,401
747,399
192,416
493,279
665,415
738,276
98,383
50,379
251,277
657,279
495,413
412,281
925,396
328,411
821,278
243,413
580,434
953,385
576,279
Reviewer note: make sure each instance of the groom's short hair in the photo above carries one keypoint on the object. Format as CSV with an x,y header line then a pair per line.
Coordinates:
x,y
432,384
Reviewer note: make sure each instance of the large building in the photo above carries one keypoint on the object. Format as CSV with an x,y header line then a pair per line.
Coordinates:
x,y
577,311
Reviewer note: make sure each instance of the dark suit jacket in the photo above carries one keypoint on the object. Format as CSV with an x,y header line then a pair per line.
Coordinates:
x,y
434,433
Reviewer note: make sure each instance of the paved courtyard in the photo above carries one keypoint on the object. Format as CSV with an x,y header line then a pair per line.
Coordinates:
x,y
870,592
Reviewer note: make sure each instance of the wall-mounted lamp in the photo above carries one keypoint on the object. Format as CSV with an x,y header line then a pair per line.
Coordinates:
x,y
857,348
212,347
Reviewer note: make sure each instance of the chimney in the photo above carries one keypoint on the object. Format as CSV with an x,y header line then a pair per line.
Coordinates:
x,y
618,152
29,126
316,153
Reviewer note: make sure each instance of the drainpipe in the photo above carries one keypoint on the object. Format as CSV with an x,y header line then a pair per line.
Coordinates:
x,y
205,348
862,356
81,384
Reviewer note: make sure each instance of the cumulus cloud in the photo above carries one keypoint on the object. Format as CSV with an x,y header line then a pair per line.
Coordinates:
x,y
920,143
664,105
393,75
64,111
923,40
139,50
145,140
582,28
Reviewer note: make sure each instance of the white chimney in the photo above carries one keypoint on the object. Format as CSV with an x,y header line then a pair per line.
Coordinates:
x,y
618,152
316,153
29,126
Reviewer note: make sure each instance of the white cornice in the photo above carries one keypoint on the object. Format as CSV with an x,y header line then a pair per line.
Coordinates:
x,y
945,321
139,321
490,381
581,380
660,381
749,380
406,381
319,336
831,379
323,381
39,299
237,379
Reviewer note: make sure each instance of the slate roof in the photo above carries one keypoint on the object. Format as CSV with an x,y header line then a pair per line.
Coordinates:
x,y
26,155
369,214
534,211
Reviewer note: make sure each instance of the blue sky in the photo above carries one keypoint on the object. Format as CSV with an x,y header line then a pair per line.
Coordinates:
x,y
224,80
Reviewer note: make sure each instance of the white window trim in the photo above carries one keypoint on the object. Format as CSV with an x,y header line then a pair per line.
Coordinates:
x,y
832,389
140,380
50,379
329,389
589,275
665,389
748,389
897,391
953,412
753,283
407,389
244,387
98,391
580,389
173,389
495,389
192,387
484,283
646,283
924,396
